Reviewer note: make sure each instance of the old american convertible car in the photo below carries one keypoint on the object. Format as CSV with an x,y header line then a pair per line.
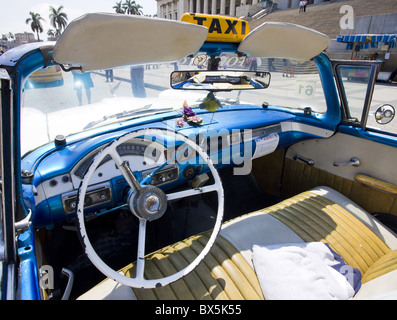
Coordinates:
x,y
249,163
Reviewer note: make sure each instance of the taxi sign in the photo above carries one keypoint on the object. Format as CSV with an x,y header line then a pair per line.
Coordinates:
x,y
220,28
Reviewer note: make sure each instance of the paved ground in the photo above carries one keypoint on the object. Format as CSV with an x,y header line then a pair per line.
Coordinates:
x,y
325,17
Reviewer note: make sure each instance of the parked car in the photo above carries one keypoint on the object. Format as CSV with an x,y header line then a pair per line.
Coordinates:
x,y
52,74
196,173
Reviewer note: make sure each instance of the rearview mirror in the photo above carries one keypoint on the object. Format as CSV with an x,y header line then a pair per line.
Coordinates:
x,y
219,80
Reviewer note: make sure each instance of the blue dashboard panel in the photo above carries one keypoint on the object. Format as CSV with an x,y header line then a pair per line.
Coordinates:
x,y
58,159
245,117
245,129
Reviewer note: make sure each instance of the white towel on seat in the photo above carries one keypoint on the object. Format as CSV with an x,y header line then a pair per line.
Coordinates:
x,y
299,271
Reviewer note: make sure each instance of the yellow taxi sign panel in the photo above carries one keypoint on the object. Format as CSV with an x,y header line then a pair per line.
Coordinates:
x,y
220,28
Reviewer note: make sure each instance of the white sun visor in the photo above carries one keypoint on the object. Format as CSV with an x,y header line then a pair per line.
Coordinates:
x,y
106,40
284,40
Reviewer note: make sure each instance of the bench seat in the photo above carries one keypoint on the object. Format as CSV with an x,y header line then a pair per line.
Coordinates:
x,y
227,272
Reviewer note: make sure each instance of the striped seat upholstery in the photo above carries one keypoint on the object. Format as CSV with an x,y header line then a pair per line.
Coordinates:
x,y
385,264
316,218
227,272
224,274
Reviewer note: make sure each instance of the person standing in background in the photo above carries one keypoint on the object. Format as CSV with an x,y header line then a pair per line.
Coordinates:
x,y
109,75
137,83
301,5
82,79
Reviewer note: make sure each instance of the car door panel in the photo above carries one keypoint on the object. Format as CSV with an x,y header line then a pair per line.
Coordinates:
x,y
374,162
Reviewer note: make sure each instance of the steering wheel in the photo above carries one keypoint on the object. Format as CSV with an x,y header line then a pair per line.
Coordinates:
x,y
147,203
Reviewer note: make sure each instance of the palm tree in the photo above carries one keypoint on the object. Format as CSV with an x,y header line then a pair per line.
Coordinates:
x,y
127,6
118,7
137,9
58,18
51,33
131,7
35,23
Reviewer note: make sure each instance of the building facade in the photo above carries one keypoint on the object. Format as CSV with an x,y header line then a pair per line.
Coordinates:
x,y
25,37
19,38
174,9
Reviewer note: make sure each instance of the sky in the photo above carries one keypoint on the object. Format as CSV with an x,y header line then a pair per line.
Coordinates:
x,y
13,13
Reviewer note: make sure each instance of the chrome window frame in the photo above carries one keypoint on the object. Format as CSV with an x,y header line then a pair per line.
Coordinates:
x,y
374,69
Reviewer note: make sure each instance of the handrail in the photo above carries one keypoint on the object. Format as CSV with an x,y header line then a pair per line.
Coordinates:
x,y
376,183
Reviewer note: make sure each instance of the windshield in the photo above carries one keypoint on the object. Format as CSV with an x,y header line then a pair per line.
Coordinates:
x,y
57,102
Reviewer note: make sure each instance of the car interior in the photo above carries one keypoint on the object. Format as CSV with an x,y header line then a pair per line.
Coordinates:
x,y
223,199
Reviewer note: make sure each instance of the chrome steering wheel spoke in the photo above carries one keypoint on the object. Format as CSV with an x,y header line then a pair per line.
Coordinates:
x,y
192,192
125,169
140,260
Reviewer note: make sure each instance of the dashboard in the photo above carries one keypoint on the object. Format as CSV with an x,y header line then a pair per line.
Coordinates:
x,y
56,172
107,185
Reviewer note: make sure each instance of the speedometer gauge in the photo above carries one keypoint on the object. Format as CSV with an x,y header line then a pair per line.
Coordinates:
x,y
127,149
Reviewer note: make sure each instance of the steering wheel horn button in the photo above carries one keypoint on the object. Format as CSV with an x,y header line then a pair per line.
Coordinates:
x,y
150,203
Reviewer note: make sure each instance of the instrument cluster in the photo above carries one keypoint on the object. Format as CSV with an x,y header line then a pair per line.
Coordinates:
x,y
59,193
